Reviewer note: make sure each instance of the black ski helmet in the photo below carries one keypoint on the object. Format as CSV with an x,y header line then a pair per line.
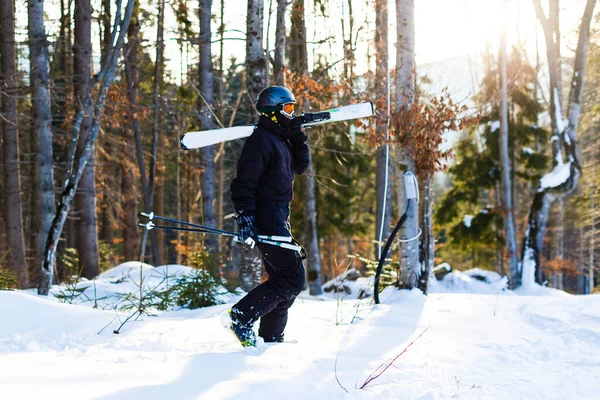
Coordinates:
x,y
273,98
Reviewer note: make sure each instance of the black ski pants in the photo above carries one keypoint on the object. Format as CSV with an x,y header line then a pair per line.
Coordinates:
x,y
271,300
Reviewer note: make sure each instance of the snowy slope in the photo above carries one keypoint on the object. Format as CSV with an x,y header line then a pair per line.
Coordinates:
x,y
475,346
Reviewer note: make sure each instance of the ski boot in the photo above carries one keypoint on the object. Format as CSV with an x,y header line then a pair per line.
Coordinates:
x,y
244,334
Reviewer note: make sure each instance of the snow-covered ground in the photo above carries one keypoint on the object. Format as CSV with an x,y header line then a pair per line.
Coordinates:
x,y
466,346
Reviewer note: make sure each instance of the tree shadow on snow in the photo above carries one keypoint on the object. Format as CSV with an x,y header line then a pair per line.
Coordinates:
x,y
200,373
379,336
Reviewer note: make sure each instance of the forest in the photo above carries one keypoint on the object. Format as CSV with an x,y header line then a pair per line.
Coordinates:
x,y
96,94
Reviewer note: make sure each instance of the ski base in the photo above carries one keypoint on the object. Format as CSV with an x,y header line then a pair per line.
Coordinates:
x,y
196,140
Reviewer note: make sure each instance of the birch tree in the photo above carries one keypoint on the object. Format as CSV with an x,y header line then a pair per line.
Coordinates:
x,y
42,114
10,145
565,153
77,162
279,59
506,197
256,62
410,270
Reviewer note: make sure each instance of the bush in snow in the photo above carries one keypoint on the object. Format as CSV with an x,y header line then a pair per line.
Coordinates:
x,y
68,262
199,288
8,280
107,255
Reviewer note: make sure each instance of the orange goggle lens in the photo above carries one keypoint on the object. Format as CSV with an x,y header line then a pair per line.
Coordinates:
x,y
289,108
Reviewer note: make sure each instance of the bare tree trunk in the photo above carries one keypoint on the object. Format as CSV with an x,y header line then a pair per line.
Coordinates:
x,y
221,114
256,62
499,233
85,198
131,231
592,236
299,63
506,181
154,181
384,169
40,100
10,146
250,260
76,165
111,171
279,64
427,241
410,269
205,69
563,134
131,71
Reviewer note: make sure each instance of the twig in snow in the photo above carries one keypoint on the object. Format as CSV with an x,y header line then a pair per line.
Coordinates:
x,y
116,331
111,321
335,371
383,367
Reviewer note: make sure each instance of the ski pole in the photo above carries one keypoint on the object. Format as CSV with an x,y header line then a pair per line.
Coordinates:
x,y
150,225
151,216
261,238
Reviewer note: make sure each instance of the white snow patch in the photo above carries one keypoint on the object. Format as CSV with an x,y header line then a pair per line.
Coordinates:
x,y
471,281
528,267
474,345
567,137
467,220
527,150
559,175
561,124
494,126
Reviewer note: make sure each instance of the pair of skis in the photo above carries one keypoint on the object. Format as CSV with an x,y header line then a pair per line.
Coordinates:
x,y
280,241
196,140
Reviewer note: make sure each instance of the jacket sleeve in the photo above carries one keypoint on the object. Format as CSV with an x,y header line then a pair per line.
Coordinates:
x,y
251,164
301,158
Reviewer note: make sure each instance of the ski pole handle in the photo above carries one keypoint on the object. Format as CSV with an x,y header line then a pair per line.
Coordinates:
x,y
281,244
276,238
176,221
250,242
150,216
149,226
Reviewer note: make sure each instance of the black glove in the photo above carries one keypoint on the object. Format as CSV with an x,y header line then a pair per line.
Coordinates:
x,y
298,137
247,233
295,134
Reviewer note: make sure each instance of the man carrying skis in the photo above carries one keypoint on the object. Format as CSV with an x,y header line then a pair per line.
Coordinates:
x,y
261,194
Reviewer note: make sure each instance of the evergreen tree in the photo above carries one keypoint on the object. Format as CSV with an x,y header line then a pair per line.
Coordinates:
x,y
469,212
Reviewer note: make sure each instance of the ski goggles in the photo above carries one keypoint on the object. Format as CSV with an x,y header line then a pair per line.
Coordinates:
x,y
287,109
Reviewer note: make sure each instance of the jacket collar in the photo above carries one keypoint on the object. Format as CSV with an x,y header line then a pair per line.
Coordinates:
x,y
274,128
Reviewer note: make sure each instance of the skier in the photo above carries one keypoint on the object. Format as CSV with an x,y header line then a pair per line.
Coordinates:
x,y
261,194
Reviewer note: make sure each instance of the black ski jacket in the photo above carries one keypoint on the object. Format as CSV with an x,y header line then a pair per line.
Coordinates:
x,y
266,168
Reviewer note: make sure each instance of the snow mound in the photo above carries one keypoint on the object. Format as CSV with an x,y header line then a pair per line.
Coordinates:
x,y
117,287
475,280
349,285
32,323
